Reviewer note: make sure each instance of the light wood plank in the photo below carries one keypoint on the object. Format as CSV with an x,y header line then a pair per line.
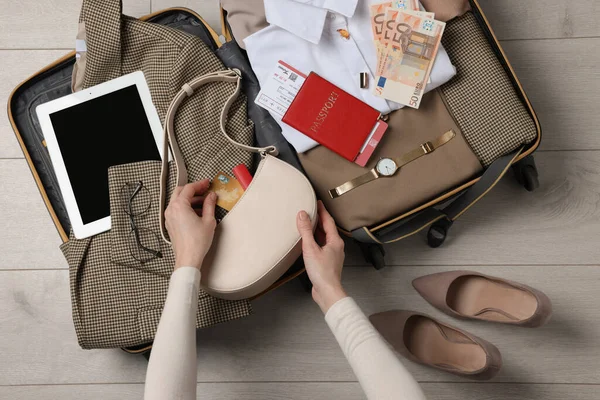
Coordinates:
x,y
492,391
48,24
557,224
309,390
562,80
208,9
16,66
38,339
29,238
287,340
516,19
207,391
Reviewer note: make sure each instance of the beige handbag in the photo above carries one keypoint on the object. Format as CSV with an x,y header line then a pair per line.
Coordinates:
x,y
257,242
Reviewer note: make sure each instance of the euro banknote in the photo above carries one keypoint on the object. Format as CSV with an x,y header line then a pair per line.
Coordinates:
x,y
413,44
378,15
380,20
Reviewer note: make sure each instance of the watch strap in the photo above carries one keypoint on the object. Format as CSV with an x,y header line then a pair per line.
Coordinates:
x,y
354,183
425,148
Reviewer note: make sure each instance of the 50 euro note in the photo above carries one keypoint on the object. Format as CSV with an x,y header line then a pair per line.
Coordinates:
x,y
414,41
382,16
391,14
378,19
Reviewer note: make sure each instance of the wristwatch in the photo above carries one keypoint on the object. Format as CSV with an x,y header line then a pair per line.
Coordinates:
x,y
387,167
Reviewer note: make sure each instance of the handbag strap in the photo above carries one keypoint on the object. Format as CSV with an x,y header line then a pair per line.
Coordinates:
x,y
232,76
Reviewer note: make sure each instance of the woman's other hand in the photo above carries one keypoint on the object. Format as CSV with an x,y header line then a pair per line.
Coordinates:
x,y
323,257
190,228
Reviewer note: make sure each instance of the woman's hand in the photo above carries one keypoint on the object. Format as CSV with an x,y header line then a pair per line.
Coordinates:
x,y
191,230
323,258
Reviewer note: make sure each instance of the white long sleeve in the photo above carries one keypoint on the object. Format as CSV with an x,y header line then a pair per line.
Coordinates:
x,y
173,367
378,370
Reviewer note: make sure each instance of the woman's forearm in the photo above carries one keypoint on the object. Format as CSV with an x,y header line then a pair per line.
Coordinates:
x,y
379,371
173,365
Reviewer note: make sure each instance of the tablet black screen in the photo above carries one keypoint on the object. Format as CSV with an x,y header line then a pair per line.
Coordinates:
x,y
109,130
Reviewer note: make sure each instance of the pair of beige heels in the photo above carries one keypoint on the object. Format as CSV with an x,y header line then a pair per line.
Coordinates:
x,y
466,295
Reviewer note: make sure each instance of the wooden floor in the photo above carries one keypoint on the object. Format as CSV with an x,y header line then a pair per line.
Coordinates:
x,y
548,239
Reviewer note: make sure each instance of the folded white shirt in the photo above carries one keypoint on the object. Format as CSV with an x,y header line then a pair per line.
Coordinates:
x,y
304,34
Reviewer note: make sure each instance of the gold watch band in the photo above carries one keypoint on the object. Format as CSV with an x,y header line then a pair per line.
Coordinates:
x,y
354,183
425,148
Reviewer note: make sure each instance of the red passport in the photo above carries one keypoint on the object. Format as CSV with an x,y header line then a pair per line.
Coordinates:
x,y
336,119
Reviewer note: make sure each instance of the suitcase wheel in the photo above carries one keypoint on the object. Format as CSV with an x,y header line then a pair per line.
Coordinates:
x,y
374,254
526,173
438,232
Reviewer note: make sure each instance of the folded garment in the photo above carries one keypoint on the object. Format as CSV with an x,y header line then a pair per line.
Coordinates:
x,y
305,35
245,18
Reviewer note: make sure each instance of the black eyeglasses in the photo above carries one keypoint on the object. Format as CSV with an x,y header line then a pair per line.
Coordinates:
x,y
142,241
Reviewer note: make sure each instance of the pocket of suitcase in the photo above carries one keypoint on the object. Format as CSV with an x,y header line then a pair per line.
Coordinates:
x,y
439,221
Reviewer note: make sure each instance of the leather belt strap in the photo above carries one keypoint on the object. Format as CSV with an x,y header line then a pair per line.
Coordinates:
x,y
233,76
425,148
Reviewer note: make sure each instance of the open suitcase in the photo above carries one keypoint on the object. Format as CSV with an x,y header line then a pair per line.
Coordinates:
x,y
437,214
54,81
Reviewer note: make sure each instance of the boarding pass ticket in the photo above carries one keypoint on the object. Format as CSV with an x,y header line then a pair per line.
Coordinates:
x,y
280,89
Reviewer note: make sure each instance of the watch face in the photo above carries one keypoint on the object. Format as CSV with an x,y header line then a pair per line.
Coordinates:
x,y
386,167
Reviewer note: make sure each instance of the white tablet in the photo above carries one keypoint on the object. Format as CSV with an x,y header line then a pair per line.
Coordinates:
x,y
89,131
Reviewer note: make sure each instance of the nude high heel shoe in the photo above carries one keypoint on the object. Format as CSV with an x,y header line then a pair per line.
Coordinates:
x,y
426,341
471,295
